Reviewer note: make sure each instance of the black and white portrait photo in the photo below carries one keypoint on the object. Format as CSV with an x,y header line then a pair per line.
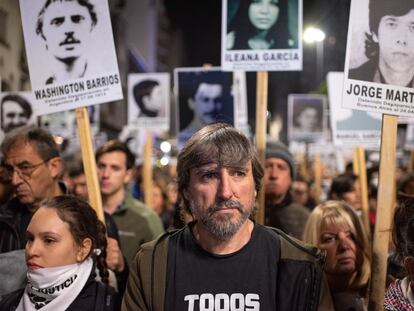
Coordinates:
x,y
258,32
306,117
203,96
16,109
259,25
388,44
149,100
70,51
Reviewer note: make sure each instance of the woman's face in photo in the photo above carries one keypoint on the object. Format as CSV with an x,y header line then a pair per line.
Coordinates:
x,y
49,241
263,14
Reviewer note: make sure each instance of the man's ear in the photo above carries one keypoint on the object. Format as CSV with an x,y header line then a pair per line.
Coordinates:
x,y
84,249
55,167
128,176
374,37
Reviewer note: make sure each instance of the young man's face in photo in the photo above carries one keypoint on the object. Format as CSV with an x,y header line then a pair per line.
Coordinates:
x,y
155,99
307,120
66,27
396,41
263,14
208,102
13,116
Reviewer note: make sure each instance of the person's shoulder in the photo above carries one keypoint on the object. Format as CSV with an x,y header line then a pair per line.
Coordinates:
x,y
364,72
295,249
11,301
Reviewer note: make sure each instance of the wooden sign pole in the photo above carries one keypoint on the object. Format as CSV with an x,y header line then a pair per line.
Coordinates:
x,y
355,162
147,170
363,182
89,163
261,123
317,172
386,199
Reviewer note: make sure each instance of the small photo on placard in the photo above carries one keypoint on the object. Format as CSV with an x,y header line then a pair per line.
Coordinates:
x,y
261,35
306,117
203,96
149,100
16,109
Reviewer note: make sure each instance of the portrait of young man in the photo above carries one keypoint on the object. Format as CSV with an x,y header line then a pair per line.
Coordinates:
x,y
66,28
15,111
203,97
306,117
389,44
149,101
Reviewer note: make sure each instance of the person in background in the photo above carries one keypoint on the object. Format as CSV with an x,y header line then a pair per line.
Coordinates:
x,y
334,227
300,191
259,25
136,222
346,187
281,212
399,295
160,205
65,240
223,258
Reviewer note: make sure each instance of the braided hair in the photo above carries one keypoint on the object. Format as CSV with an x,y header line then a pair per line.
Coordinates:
x,y
83,223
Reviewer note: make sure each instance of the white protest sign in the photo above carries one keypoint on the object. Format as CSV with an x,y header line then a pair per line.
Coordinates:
x,y
351,127
71,53
149,101
253,41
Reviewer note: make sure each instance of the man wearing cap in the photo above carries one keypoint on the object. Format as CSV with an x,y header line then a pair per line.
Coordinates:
x,y
281,211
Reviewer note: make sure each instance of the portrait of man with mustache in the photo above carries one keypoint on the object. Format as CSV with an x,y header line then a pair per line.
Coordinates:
x,y
66,27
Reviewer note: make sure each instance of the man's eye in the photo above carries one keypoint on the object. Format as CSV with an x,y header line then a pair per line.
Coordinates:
x,y
391,24
57,21
77,19
208,176
25,167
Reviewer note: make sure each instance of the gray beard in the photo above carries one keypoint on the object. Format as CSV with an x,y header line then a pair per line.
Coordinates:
x,y
221,227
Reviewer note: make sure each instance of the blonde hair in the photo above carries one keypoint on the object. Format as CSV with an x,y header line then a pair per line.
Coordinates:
x,y
334,213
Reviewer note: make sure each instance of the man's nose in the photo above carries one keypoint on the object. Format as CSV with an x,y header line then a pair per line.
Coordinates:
x,y
402,34
16,179
225,187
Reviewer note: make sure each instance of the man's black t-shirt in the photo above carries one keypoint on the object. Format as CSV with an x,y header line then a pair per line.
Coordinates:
x,y
244,280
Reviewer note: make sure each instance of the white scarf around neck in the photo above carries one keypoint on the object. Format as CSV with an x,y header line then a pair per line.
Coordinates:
x,y
54,288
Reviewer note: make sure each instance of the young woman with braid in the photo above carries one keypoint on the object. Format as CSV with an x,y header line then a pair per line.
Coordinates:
x,y
65,242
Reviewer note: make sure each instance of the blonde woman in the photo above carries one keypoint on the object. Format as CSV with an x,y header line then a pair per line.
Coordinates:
x,y
334,227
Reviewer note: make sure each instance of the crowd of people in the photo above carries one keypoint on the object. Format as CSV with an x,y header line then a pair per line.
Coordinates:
x,y
197,247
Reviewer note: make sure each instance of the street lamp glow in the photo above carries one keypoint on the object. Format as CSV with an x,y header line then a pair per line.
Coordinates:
x,y
312,34
165,147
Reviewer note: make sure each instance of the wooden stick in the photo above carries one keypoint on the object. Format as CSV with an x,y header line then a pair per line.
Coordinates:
x,y
317,171
147,170
386,199
355,162
261,120
89,163
364,188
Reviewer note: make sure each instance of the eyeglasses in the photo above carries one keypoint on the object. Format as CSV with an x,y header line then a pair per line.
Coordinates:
x,y
24,170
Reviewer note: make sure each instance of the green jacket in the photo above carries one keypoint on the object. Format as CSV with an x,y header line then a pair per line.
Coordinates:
x,y
300,274
135,226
